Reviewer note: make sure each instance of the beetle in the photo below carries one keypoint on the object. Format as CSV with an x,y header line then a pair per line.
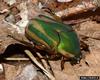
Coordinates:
x,y
55,38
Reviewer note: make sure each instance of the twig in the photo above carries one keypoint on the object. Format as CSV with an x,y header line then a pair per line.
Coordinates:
x,y
45,63
64,0
4,11
31,56
16,59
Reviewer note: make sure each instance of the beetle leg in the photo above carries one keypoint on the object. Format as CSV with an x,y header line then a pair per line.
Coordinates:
x,y
63,60
52,57
62,63
84,46
83,57
48,10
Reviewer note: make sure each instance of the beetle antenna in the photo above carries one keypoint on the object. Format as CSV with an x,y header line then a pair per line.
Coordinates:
x,y
86,63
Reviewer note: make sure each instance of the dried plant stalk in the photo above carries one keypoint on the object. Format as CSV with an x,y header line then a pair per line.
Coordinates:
x,y
45,63
50,76
16,59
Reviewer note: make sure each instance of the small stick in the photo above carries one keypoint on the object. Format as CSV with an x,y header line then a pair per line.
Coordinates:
x,y
31,56
45,63
4,11
16,59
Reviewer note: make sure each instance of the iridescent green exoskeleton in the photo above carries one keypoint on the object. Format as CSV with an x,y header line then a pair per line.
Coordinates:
x,y
54,36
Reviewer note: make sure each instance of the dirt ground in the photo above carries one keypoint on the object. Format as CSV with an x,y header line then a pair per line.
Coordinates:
x,y
14,70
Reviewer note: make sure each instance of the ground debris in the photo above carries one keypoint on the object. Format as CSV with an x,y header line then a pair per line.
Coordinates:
x,y
14,17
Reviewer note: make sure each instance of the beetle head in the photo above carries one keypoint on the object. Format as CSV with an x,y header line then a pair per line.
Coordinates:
x,y
76,59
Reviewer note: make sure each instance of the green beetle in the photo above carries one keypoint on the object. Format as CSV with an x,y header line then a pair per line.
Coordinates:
x,y
53,36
